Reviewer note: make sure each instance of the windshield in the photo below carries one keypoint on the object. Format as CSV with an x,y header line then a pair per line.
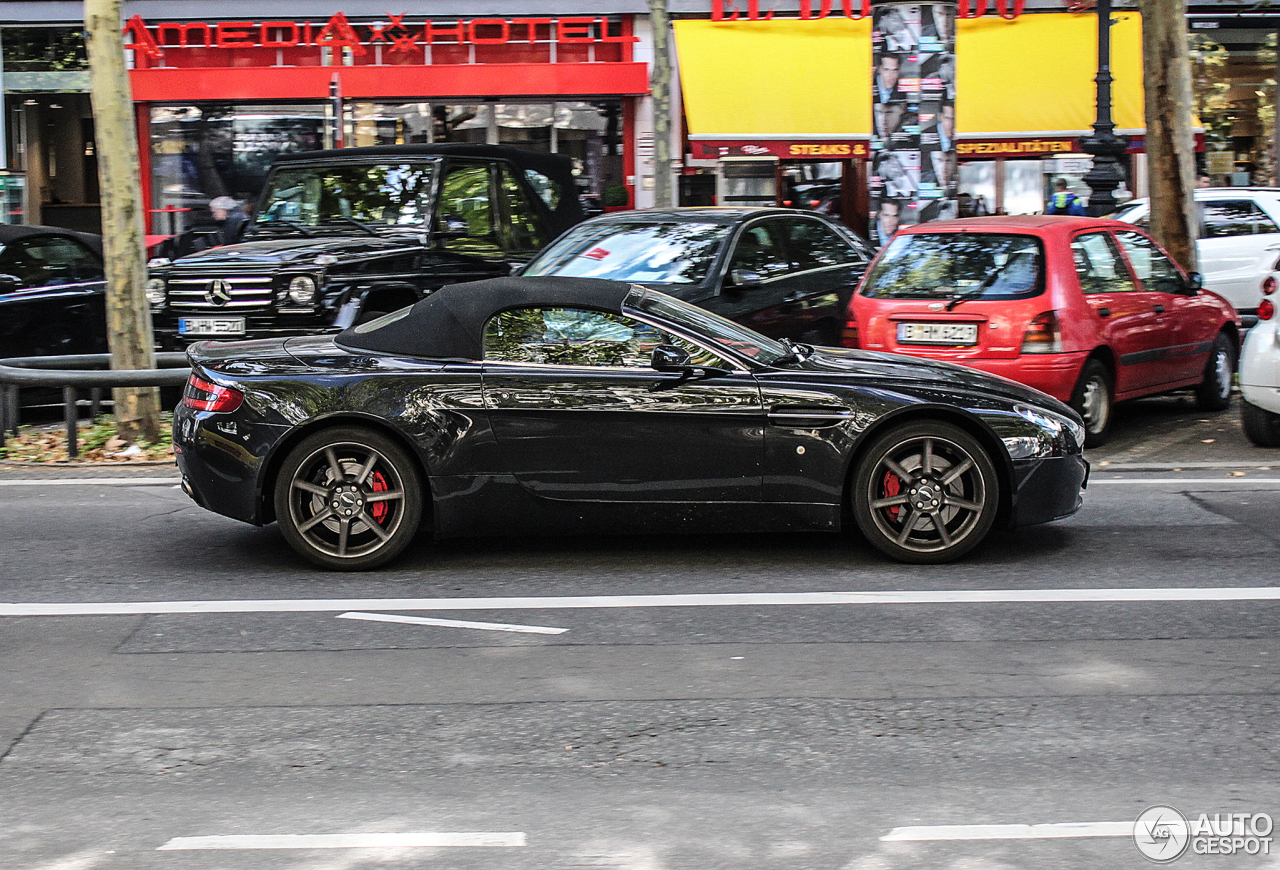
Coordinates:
x,y
679,252
372,194
711,327
945,265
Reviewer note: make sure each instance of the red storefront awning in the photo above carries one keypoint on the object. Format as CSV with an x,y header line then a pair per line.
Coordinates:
x,y
390,82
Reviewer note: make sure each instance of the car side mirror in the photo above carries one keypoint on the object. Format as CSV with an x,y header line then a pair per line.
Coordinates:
x,y
745,278
10,283
669,358
1195,283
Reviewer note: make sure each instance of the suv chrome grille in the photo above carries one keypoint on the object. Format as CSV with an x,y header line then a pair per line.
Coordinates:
x,y
194,294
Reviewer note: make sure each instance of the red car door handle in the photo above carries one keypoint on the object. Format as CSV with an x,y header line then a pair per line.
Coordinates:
x,y
1104,312
1159,309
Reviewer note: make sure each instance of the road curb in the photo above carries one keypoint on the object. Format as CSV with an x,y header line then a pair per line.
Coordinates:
x,y
1274,465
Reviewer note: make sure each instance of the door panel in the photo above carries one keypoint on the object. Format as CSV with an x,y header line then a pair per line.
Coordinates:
x,y
1159,358
608,435
579,414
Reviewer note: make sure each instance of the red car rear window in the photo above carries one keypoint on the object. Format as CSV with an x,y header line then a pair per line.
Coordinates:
x,y
967,265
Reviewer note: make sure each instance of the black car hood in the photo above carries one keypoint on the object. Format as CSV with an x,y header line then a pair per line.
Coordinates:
x,y
890,368
294,249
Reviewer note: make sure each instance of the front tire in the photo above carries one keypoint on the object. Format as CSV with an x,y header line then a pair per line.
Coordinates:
x,y
348,499
1261,426
925,493
1214,392
1092,400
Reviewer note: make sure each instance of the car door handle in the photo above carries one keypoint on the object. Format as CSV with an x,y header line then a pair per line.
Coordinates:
x,y
1159,309
1104,312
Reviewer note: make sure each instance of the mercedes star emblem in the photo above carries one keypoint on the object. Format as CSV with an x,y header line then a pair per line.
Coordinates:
x,y
219,292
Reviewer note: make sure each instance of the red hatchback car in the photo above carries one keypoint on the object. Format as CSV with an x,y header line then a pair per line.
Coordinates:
x,y
1089,311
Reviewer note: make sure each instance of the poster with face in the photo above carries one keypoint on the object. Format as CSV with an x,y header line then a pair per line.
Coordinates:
x,y
913,170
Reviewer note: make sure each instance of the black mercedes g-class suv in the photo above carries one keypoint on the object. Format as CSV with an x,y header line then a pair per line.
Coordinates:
x,y
344,235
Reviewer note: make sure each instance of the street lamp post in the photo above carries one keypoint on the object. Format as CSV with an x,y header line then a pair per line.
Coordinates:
x,y
1106,147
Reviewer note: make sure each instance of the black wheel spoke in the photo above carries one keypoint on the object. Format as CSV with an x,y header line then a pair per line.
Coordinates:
x,y
335,467
962,503
943,534
365,469
903,475
891,501
373,526
344,532
316,520
907,525
307,486
383,496
950,477
926,457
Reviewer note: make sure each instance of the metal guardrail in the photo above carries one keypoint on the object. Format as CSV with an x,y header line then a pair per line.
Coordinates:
x,y
72,373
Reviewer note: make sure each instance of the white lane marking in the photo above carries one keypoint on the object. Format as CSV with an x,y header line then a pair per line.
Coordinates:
x,y
453,623
1182,481
587,602
97,481
423,840
1011,832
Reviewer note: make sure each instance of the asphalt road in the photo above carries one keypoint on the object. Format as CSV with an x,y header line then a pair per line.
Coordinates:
x,y
794,731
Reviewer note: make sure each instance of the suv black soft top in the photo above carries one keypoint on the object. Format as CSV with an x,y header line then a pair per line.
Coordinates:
x,y
556,167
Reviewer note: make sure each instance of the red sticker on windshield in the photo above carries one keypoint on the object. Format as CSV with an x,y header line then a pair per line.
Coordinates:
x,y
596,254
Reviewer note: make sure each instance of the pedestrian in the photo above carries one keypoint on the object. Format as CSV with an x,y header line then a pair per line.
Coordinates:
x,y
229,218
1063,201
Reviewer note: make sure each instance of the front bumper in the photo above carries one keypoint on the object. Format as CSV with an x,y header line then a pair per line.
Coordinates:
x,y
1048,489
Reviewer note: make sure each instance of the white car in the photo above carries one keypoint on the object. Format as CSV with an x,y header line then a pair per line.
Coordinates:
x,y
1260,375
1239,243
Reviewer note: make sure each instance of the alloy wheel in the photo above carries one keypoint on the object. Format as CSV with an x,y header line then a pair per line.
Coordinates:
x,y
346,500
928,494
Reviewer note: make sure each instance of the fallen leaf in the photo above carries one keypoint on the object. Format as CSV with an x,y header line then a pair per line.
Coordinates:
x,y
1235,474
1208,441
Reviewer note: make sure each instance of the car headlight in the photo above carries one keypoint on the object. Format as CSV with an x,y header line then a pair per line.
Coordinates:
x,y
1057,425
302,290
155,291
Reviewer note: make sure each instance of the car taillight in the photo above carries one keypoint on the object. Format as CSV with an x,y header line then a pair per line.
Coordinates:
x,y
1043,335
1269,285
202,395
849,336
1266,309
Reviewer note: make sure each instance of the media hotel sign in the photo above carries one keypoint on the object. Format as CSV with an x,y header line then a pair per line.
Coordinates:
x,y
396,33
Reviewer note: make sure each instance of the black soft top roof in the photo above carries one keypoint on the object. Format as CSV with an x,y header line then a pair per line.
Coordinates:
x,y
557,167
13,232
449,324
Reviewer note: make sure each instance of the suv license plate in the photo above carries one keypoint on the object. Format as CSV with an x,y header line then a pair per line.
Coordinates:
x,y
938,333
211,326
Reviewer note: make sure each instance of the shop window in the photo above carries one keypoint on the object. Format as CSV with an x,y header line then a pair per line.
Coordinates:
x,y
202,151
44,49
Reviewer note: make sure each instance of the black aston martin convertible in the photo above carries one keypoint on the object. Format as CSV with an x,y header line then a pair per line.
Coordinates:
x,y
545,405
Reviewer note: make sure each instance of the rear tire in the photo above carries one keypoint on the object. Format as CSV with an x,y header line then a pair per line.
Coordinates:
x,y
1092,400
925,492
1261,426
348,499
1214,392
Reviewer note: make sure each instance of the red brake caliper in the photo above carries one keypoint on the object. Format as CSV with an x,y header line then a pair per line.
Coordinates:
x,y
379,508
892,486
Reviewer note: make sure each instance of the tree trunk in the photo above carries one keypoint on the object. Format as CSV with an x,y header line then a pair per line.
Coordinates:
x,y
137,409
660,89
1170,143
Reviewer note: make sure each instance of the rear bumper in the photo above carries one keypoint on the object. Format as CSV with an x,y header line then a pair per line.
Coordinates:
x,y
1048,489
1052,373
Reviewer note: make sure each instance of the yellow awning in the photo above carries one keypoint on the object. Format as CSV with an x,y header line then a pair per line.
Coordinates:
x,y
794,79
